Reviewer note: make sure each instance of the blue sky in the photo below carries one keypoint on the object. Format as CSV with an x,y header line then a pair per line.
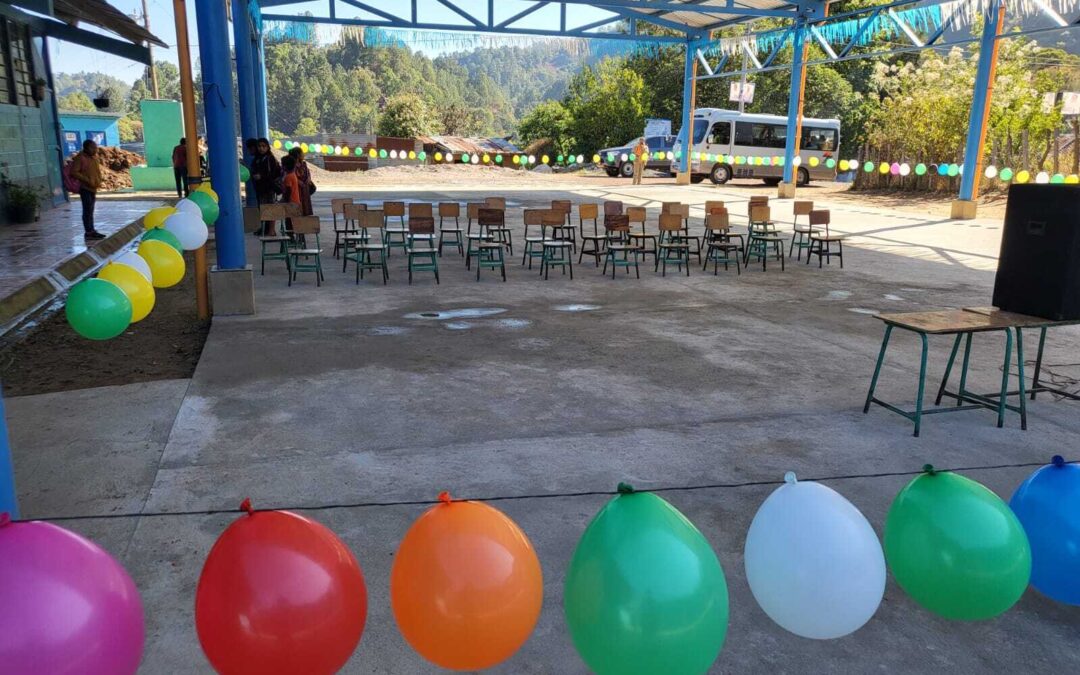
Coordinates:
x,y
70,58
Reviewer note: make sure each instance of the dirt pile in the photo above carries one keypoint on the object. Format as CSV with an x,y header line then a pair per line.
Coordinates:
x,y
116,166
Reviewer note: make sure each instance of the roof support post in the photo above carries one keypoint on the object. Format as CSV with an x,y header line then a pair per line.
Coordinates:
x,y
964,208
221,130
8,504
262,115
245,84
688,103
794,108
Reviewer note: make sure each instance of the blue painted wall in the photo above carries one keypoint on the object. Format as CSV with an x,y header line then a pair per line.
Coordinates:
x,y
77,127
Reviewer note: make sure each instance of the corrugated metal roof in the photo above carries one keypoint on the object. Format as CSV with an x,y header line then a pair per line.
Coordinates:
x,y
459,144
103,15
710,12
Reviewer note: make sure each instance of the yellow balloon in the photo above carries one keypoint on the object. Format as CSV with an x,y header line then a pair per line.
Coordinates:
x,y
595,159
883,168
156,217
412,154
205,187
813,161
1072,179
373,153
1022,177
134,285
438,156
166,263
545,159
277,144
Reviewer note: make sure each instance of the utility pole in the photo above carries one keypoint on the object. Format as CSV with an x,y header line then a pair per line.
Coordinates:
x,y
742,87
150,53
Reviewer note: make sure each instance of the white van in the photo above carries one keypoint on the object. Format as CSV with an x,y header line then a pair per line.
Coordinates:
x,y
728,144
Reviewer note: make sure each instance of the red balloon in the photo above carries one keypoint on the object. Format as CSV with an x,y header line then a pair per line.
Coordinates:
x,y
279,594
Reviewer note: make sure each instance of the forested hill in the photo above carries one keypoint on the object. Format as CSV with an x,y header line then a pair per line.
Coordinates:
x,y
344,86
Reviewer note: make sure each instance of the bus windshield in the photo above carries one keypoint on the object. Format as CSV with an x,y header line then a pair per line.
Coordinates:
x,y
701,125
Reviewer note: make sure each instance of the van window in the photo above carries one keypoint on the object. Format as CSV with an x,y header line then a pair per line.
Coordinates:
x,y
770,135
818,139
744,133
701,125
720,134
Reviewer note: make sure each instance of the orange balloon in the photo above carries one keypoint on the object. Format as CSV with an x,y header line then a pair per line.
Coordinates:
x,y
466,586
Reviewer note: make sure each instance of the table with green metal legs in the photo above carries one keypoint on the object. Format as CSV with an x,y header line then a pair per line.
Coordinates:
x,y
961,324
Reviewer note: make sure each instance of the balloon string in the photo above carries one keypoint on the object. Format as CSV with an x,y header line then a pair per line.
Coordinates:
x,y
504,498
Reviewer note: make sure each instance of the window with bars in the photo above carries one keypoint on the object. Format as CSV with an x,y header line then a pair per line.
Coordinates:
x,y
16,65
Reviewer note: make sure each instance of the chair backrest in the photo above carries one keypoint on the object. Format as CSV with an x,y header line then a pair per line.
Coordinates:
x,y
670,222
419,210
449,209
803,207
278,211
759,213
533,217
617,223
353,211
681,210
421,225
712,206
337,204
613,208
562,206
759,199
552,218
588,211
669,207
371,220
306,225
820,217
472,209
495,203
718,220
393,209
636,214
489,217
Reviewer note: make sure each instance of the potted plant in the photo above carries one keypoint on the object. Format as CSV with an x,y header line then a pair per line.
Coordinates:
x,y
39,89
22,201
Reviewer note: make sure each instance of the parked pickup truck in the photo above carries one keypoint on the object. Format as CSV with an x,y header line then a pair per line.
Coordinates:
x,y
613,163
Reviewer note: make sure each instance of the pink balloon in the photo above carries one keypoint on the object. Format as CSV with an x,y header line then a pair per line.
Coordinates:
x,y
895,169
66,606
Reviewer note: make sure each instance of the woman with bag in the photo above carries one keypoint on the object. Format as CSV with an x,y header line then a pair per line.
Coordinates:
x,y
303,178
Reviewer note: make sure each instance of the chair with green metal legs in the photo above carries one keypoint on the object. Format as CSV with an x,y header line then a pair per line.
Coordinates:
x,y
369,250
800,237
500,233
277,241
567,230
344,227
821,241
720,248
302,257
448,210
396,233
644,241
591,244
477,236
619,242
765,241
488,252
557,250
534,235
422,252
672,249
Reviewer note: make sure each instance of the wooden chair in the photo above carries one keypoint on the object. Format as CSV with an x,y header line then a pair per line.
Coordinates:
x,y
645,242
720,247
495,203
822,240
300,254
421,252
800,237
669,207
500,233
672,248
617,229
759,200
372,226
449,210
534,239
763,235
337,208
590,212
473,239
396,235
277,215
567,231
612,208
714,206
694,241
557,252
351,214
489,253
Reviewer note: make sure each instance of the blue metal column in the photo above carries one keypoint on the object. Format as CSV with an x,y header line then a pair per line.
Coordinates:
x,y
216,65
689,91
8,503
980,102
245,81
795,98
261,116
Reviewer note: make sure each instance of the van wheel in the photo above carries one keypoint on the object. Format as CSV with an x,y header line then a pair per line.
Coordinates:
x,y
803,177
627,169
771,182
612,172
720,174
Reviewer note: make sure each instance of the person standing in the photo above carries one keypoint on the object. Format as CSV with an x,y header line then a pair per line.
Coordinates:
x,y
641,155
303,178
179,167
265,172
87,171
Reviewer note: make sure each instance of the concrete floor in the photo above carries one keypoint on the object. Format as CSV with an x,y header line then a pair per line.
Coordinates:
x,y
343,393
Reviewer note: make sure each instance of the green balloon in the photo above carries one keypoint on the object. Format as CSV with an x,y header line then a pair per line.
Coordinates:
x,y
98,309
956,548
1057,178
868,167
161,234
645,592
920,169
245,174
830,163
953,170
207,206
382,154
1005,174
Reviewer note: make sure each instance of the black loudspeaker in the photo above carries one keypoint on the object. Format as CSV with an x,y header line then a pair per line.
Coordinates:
x,y
1039,268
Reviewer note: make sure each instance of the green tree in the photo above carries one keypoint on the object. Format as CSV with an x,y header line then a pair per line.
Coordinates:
x,y
548,123
131,129
407,116
306,127
460,120
607,105
76,102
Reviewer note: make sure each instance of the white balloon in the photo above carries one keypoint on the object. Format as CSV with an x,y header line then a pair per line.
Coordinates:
x,y
905,169
188,206
133,259
1042,177
813,562
188,228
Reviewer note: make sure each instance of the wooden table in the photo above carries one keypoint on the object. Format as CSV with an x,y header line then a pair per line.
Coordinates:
x,y
964,323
